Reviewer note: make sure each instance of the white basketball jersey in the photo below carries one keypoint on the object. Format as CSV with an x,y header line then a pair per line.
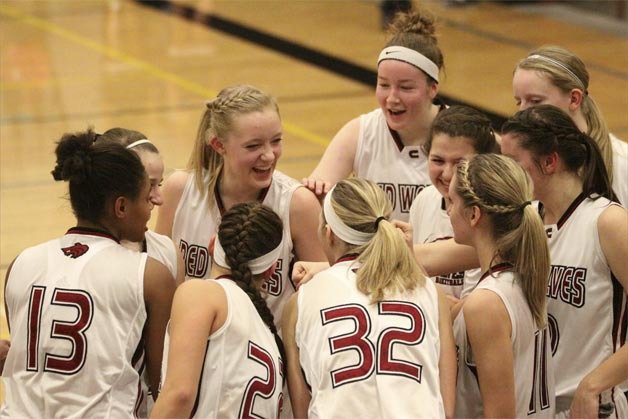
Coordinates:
x,y
620,169
76,309
242,374
431,223
366,360
162,249
382,158
532,361
195,223
586,303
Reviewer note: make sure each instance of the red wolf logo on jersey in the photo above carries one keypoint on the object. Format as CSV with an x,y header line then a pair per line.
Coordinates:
x,y
76,250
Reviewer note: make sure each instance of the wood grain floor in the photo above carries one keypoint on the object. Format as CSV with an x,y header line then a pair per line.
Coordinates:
x,y
66,65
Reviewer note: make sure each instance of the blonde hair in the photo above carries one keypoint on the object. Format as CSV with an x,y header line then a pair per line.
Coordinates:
x,y
571,73
218,120
387,264
501,189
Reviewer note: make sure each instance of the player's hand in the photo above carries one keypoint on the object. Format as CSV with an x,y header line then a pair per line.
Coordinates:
x,y
318,186
405,229
303,271
585,403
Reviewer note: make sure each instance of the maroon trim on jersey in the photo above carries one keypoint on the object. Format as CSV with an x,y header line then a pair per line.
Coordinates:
x,y
620,314
88,231
225,276
347,257
500,267
443,204
397,138
395,135
221,205
570,210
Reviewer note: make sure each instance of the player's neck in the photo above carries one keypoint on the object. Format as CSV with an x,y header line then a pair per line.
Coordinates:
x,y
559,196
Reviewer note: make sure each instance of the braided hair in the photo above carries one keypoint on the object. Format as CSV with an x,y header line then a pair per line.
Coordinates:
x,y
218,120
247,231
546,129
499,187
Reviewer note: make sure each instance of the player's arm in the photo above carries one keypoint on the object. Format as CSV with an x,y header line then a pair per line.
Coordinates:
x,y
159,289
492,350
172,191
445,256
5,344
305,211
299,393
608,374
196,310
440,257
612,230
447,362
337,161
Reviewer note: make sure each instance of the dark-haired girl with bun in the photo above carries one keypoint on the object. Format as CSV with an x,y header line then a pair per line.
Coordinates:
x,y
86,314
385,145
224,354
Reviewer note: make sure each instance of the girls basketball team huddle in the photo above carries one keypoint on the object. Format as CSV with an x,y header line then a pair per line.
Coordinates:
x,y
458,271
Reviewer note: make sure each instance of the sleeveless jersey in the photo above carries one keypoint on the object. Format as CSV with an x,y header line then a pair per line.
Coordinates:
x,y
195,223
620,169
76,309
532,361
366,360
242,374
431,223
162,249
382,158
583,295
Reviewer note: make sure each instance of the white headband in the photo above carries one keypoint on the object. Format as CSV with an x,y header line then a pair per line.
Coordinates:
x,y
411,57
340,229
138,142
558,64
257,265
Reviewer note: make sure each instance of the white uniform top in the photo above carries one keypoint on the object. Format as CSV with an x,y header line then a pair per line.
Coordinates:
x,y
76,309
195,223
366,360
620,169
382,158
586,304
162,249
532,361
431,223
242,373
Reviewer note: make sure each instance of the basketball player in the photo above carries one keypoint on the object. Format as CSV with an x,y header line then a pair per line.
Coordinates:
x,y
82,308
555,76
158,246
384,145
458,133
224,359
586,233
504,365
368,337
238,145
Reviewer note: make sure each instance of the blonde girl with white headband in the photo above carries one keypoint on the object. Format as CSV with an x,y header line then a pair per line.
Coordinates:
x,y
384,145
157,246
552,75
224,356
369,336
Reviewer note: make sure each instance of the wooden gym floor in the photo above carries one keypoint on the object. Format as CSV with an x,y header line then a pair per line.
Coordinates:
x,y
66,65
